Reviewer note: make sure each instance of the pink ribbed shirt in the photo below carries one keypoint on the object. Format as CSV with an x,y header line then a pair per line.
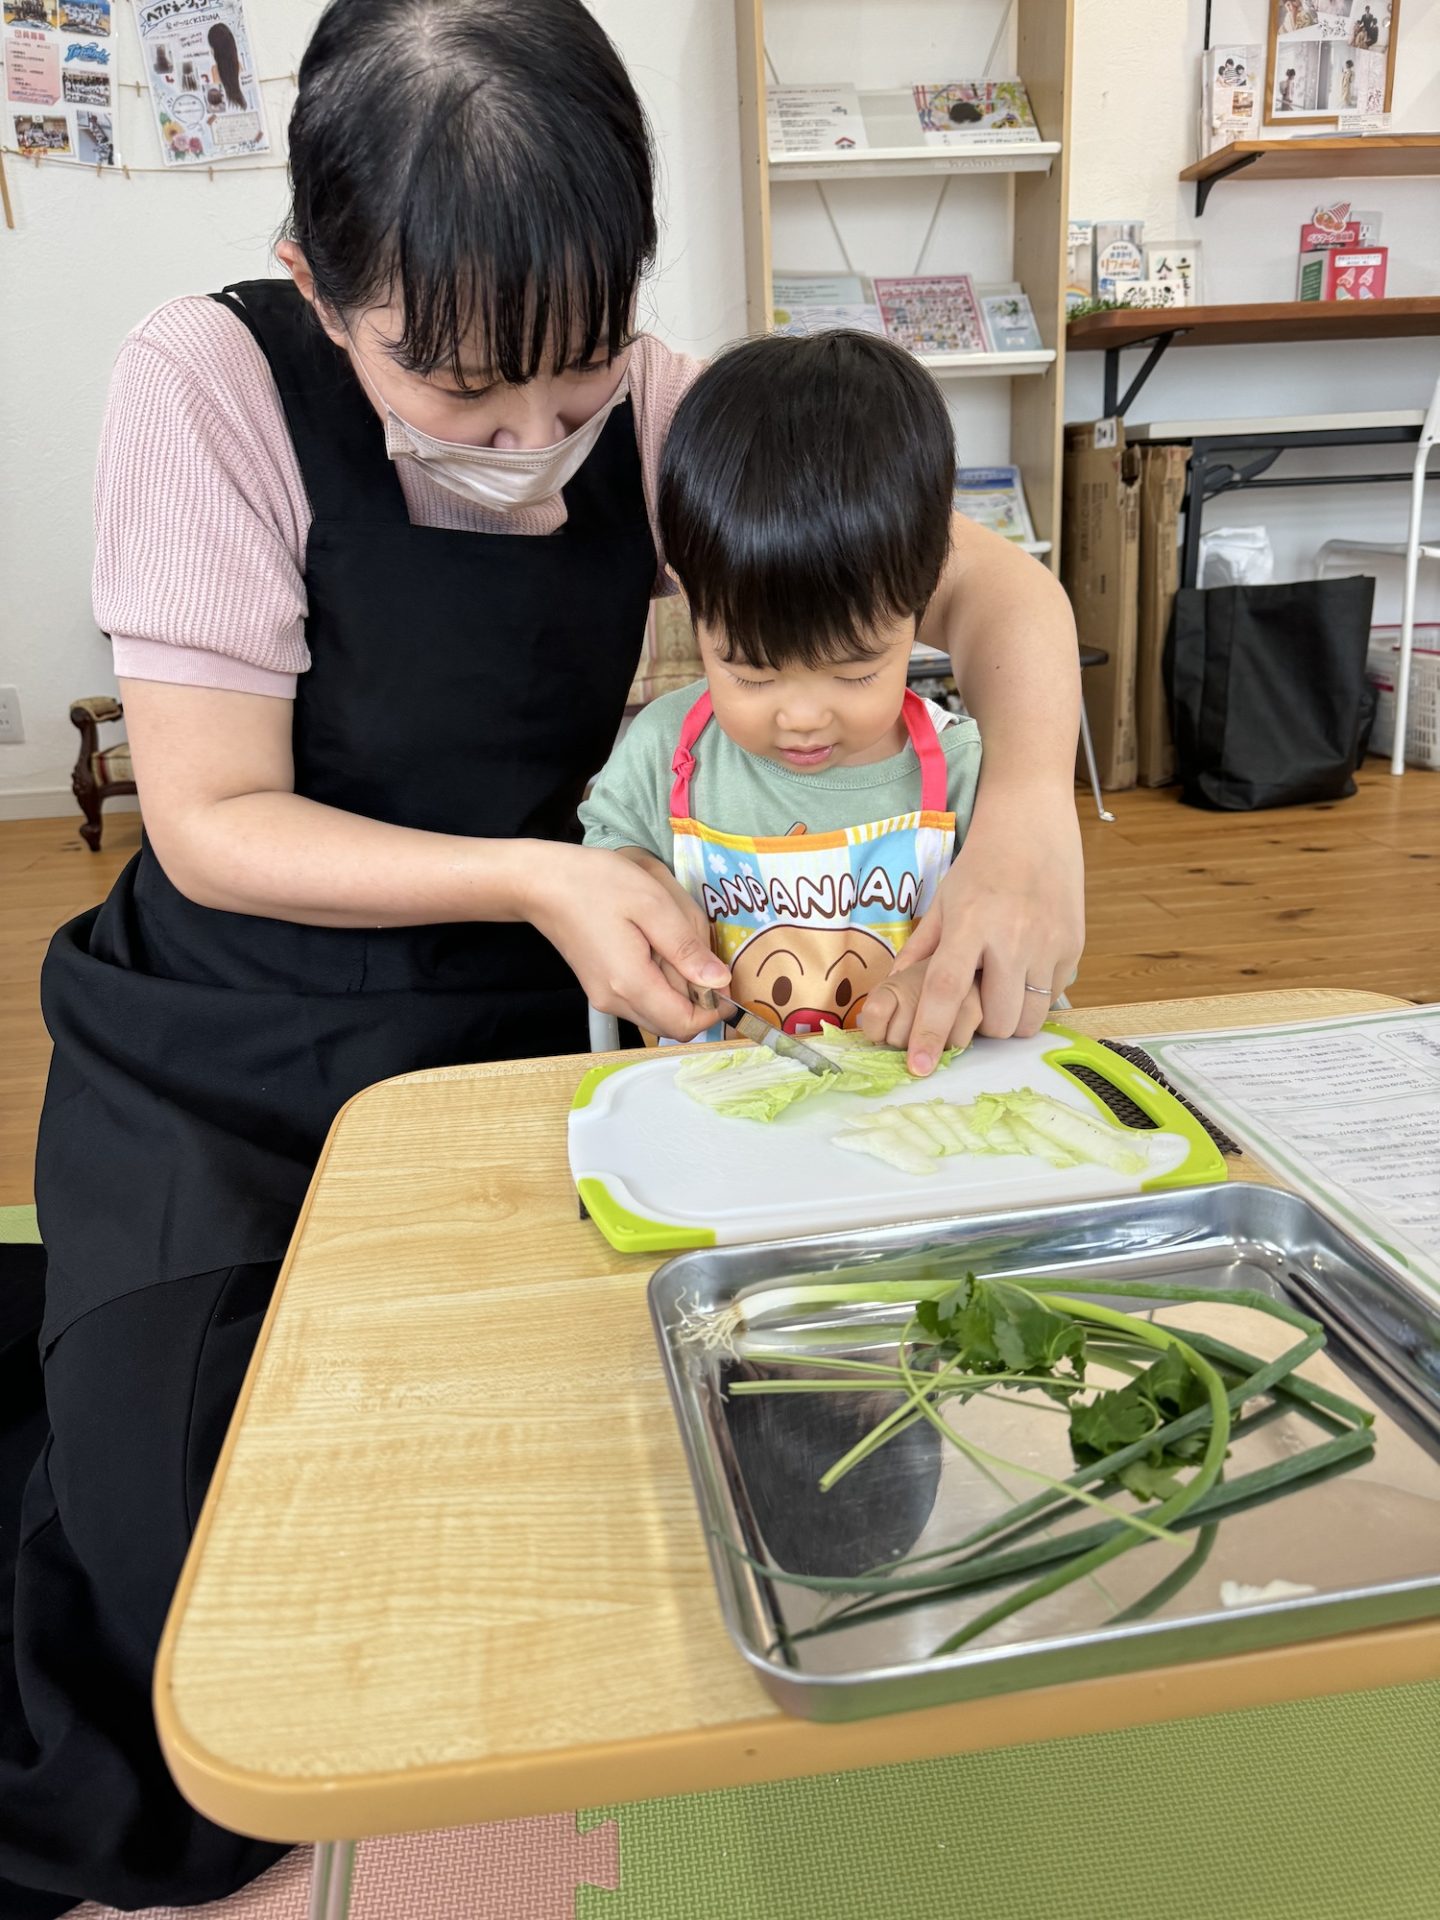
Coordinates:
x,y
201,516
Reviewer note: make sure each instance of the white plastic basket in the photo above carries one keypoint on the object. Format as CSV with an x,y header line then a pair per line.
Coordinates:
x,y
1422,724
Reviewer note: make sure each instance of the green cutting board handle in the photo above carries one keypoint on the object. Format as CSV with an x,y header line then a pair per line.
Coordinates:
x,y
1204,1162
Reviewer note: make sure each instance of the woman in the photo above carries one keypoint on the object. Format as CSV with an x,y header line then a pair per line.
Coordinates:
x,y
375,544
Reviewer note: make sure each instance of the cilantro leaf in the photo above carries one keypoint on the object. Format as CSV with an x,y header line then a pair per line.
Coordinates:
x,y
990,1326
1120,1416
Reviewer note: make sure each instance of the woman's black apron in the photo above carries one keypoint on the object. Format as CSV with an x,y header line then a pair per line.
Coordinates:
x,y
460,682
464,683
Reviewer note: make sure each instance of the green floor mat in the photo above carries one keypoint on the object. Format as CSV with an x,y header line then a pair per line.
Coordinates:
x,y
1320,1810
18,1228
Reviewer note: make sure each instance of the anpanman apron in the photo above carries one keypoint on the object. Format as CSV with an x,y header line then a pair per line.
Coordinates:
x,y
809,923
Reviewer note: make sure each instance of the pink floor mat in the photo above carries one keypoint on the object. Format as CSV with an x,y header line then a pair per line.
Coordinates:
x,y
513,1870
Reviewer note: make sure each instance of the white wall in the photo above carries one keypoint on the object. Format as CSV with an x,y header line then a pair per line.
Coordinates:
x,y
1136,83
90,257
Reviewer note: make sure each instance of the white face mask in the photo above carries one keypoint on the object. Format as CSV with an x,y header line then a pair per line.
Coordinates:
x,y
499,478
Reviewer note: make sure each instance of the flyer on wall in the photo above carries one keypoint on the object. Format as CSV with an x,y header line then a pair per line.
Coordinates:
x,y
202,78
60,81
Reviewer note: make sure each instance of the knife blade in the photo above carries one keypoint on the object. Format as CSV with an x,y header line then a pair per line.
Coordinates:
x,y
785,1045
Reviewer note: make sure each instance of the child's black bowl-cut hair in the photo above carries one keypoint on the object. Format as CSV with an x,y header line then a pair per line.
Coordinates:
x,y
805,495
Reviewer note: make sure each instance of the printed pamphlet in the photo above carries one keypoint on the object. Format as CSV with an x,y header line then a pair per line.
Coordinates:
x,y
1009,321
975,113
203,80
1080,264
811,302
934,313
1148,293
1346,1111
994,497
1177,260
1119,255
1231,89
814,119
1330,227
60,80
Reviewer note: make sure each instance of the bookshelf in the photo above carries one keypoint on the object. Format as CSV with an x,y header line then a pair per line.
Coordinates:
x,y
857,211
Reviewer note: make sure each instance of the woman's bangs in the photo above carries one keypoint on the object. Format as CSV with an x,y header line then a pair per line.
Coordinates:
x,y
512,275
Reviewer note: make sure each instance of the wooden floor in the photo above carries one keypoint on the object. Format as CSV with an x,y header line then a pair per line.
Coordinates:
x,y
1180,903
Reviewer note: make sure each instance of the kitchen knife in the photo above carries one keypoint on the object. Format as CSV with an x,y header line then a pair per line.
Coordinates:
x,y
764,1035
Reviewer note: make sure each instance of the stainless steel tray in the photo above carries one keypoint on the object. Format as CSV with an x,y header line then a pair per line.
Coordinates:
x,y
1366,1539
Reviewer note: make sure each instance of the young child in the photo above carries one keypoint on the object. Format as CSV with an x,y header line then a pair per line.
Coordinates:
x,y
802,799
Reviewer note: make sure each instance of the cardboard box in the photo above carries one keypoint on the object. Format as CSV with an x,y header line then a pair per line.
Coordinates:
x,y
1162,498
1100,569
1344,273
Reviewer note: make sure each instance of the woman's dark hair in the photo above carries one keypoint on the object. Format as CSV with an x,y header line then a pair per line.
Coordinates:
x,y
485,164
805,495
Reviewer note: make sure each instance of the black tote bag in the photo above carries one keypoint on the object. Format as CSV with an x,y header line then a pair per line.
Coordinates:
x,y
1268,697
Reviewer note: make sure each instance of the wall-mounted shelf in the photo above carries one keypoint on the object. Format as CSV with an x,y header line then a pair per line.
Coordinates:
x,y
1034,212
1254,323
898,163
1369,157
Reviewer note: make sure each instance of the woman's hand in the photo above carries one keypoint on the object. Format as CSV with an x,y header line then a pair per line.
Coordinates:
x,y
636,940
1008,917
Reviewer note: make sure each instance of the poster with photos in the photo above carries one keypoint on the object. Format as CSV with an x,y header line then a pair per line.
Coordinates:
x,y
60,81
1330,57
203,83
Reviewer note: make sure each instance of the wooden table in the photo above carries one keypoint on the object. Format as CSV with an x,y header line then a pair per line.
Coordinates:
x,y
450,1568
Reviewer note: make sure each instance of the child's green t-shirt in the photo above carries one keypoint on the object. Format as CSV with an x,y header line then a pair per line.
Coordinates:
x,y
738,792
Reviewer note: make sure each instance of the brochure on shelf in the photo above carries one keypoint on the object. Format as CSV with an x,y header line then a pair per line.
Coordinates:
x,y
932,313
1079,264
1147,293
1330,227
1009,321
1343,273
1119,255
975,113
1177,261
815,119
994,497
812,302
1231,95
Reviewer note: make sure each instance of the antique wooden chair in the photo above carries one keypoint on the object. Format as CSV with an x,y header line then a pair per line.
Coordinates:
x,y
100,772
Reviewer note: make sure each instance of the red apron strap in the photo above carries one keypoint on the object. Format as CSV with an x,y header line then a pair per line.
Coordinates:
x,y
934,774
683,763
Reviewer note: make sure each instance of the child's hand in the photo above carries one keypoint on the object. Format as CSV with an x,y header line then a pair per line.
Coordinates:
x,y
889,1013
1007,923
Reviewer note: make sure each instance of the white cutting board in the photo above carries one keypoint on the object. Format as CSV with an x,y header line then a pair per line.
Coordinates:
x,y
669,1172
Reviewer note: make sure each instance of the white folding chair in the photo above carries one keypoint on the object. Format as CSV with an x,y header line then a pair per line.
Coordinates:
x,y
1414,551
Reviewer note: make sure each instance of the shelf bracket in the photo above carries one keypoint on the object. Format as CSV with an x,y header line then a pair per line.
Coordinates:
x,y
1113,405
1203,187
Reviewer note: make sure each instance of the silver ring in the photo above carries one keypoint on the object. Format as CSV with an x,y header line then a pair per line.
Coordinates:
x,y
1030,989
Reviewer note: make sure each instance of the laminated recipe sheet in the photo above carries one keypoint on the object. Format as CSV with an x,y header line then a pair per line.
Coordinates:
x,y
1347,1111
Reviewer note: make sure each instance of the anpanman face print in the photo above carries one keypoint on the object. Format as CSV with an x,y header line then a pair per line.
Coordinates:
x,y
803,978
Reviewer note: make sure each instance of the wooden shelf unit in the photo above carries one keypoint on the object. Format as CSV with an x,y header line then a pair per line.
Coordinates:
x,y
1044,35
1370,157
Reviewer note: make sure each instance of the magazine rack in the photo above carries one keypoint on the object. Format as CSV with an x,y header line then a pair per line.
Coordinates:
x,y
853,211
